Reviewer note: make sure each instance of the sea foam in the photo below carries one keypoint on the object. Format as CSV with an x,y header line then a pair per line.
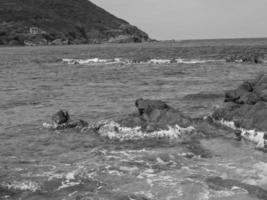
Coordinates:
x,y
254,136
114,131
91,61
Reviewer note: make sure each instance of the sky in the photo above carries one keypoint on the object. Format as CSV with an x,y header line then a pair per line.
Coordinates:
x,y
192,19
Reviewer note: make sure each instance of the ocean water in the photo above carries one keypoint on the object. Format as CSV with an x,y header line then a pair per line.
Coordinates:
x,y
38,163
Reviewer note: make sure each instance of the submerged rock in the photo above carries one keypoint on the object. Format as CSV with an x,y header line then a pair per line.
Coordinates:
x,y
217,183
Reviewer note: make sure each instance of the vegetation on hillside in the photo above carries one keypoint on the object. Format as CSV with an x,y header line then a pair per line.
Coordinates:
x,y
62,22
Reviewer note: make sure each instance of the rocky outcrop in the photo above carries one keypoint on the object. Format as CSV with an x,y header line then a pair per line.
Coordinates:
x,y
246,107
155,115
246,58
151,115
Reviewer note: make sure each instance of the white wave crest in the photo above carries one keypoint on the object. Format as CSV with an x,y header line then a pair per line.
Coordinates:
x,y
114,131
23,185
254,136
72,61
94,61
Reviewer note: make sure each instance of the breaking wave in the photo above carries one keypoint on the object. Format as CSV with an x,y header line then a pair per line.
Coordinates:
x,y
254,136
72,61
22,185
114,131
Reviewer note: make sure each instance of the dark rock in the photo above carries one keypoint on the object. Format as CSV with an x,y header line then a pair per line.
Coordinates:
x,y
146,106
62,120
236,94
248,98
154,115
238,134
247,105
61,117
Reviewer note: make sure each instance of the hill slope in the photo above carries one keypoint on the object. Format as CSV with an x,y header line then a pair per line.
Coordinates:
x,y
36,22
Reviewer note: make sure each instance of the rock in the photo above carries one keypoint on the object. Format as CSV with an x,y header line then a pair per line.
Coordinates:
x,y
146,106
61,117
248,98
236,94
154,115
255,58
247,104
256,117
62,120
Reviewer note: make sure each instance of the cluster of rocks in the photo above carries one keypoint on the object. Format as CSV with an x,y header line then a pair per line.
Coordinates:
x,y
246,105
246,58
152,115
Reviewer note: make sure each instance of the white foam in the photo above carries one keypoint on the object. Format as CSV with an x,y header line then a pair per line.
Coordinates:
x,y
114,131
72,61
256,174
23,185
250,135
159,61
70,179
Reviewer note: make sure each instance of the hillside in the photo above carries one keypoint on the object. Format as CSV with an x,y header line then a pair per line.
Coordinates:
x,y
41,22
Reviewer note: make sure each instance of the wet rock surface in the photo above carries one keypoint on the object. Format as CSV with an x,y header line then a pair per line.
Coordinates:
x,y
155,115
246,105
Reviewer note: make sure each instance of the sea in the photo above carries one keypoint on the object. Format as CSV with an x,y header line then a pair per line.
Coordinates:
x,y
40,163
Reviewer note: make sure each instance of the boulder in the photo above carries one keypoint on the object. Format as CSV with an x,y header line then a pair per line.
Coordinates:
x,y
146,106
154,115
62,120
247,105
233,95
60,117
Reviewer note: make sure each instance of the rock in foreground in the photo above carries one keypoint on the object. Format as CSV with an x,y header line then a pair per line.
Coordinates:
x,y
246,106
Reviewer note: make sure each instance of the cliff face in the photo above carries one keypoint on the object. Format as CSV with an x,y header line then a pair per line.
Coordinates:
x,y
40,22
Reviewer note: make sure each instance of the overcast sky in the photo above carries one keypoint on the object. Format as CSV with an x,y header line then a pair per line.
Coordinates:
x,y
193,19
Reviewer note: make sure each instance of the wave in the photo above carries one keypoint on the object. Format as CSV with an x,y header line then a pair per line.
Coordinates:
x,y
22,185
72,61
114,131
257,137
